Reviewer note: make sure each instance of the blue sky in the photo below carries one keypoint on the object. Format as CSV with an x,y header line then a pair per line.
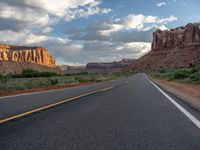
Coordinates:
x,y
81,31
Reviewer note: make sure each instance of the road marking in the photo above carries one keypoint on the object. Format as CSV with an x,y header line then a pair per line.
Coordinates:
x,y
53,105
185,112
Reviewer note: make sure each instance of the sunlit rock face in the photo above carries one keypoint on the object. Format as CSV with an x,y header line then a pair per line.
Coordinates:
x,y
17,58
175,48
177,38
35,55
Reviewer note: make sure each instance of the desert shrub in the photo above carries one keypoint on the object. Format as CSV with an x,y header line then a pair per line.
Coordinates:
x,y
31,85
191,74
82,79
43,83
30,73
53,81
8,87
195,77
180,74
92,79
20,86
47,74
77,74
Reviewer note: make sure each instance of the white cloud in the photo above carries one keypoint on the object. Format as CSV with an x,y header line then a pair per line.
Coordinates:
x,y
21,38
47,30
138,22
165,3
46,12
161,4
26,15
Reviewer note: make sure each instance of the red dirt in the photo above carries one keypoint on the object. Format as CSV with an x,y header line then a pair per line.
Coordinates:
x,y
6,93
189,93
189,89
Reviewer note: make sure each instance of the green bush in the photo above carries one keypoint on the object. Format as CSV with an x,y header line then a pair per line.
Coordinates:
x,y
30,73
43,83
195,77
8,87
20,86
180,74
82,79
47,74
188,74
53,81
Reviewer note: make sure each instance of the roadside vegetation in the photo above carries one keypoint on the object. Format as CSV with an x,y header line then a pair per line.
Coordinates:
x,y
186,75
31,79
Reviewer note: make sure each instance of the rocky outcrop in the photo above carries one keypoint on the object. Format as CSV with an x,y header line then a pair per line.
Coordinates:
x,y
177,38
108,67
98,67
175,48
22,57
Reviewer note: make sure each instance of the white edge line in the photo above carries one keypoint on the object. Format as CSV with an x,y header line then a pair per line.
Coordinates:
x,y
185,112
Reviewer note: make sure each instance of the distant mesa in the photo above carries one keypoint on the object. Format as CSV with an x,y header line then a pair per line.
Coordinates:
x,y
109,67
98,67
17,58
175,48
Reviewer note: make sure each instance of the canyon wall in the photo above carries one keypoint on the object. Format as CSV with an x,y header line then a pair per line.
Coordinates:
x,y
175,48
22,57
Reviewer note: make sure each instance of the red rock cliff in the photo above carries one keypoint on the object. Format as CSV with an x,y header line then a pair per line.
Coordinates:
x,y
177,38
35,55
175,48
22,57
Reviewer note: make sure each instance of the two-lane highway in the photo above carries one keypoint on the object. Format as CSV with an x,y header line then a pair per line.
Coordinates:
x,y
125,114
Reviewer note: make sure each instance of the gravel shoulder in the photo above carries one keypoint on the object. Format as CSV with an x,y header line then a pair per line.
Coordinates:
x,y
189,93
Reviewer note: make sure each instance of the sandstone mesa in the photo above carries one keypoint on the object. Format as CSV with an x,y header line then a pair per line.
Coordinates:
x,y
36,55
17,58
175,48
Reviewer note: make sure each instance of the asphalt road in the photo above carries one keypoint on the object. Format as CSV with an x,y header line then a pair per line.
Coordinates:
x,y
127,114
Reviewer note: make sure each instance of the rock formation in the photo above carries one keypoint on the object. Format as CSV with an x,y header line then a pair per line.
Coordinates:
x,y
110,65
175,48
24,56
98,67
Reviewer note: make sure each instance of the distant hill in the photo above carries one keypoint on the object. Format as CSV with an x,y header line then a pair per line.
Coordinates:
x,y
175,48
98,67
16,58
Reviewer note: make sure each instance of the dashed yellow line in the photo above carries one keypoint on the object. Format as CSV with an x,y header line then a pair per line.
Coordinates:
x,y
52,105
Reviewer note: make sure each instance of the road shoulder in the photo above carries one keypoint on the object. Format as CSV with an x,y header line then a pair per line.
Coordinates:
x,y
187,92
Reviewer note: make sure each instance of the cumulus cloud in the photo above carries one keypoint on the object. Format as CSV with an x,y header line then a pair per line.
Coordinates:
x,y
137,28
29,13
21,38
141,22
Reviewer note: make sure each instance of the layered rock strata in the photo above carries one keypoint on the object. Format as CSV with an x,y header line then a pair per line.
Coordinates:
x,y
175,48
17,58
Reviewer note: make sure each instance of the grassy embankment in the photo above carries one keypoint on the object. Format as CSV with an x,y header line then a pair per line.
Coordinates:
x,y
30,79
187,75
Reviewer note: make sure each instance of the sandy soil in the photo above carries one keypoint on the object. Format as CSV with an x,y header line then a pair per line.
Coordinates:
x,y
190,93
43,89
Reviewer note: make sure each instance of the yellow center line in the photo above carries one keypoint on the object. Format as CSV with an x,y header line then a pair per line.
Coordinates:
x,y
52,105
